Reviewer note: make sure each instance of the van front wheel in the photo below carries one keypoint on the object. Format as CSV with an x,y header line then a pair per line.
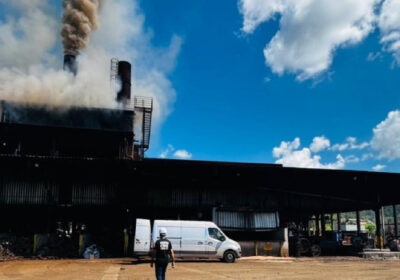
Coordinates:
x,y
229,257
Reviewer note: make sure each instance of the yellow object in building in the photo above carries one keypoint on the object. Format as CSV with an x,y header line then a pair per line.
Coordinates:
x,y
268,247
126,244
35,238
80,252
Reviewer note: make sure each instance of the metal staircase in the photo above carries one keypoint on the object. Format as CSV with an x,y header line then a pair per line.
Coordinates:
x,y
144,106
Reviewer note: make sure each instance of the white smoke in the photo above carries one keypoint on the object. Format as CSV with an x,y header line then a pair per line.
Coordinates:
x,y
27,39
34,76
122,34
51,87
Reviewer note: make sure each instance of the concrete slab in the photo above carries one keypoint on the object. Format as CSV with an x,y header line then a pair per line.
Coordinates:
x,y
380,255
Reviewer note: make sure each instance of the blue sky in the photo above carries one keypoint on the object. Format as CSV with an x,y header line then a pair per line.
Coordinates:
x,y
260,81
231,107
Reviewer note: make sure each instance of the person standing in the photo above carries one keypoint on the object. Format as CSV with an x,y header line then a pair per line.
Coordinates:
x,y
162,252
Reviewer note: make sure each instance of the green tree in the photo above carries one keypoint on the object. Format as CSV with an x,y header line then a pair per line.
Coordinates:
x,y
370,228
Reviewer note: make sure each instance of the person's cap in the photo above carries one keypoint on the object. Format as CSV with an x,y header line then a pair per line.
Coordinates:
x,y
163,231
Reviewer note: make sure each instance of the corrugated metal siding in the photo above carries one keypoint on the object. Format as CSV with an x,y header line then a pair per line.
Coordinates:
x,y
246,220
265,220
188,198
28,193
92,194
235,220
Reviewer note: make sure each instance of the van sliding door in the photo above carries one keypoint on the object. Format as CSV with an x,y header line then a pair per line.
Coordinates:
x,y
193,242
174,236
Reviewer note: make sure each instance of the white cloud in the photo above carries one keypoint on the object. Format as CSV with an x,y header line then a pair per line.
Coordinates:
x,y
350,144
319,144
267,79
389,24
379,167
310,31
289,154
374,56
352,159
340,147
183,154
256,12
386,138
167,151
286,147
367,156
180,154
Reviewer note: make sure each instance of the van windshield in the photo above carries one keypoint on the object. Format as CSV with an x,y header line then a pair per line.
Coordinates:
x,y
216,234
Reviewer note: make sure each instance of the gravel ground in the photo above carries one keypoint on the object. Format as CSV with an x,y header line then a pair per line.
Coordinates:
x,y
251,268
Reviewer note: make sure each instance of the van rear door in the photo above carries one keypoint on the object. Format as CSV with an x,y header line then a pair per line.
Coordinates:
x,y
142,237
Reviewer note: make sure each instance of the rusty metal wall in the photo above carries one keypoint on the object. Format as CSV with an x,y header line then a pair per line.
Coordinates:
x,y
261,248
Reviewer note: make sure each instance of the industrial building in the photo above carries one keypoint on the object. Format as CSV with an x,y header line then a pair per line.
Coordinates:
x,y
104,196
74,174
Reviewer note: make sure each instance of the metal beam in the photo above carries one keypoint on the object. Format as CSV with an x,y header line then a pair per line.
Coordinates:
x,y
396,226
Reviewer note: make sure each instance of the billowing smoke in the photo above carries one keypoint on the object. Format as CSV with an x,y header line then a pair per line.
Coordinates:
x,y
80,18
31,65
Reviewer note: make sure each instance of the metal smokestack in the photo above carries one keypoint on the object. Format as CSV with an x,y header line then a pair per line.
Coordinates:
x,y
124,74
70,63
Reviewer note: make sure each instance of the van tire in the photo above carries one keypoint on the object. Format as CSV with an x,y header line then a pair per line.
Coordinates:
x,y
229,257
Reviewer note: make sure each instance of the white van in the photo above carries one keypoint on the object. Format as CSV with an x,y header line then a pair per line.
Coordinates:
x,y
191,239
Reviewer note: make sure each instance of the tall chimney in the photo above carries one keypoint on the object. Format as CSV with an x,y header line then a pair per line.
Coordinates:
x,y
70,63
124,73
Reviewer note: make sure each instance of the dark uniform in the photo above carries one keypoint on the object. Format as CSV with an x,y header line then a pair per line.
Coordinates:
x,y
162,249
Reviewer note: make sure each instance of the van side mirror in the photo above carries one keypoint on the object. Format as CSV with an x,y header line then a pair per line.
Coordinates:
x,y
222,238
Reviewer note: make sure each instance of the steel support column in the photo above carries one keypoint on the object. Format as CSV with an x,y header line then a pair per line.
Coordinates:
x,y
378,222
358,222
323,224
396,226
339,224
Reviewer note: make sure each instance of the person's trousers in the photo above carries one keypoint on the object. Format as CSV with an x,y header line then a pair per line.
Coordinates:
x,y
160,271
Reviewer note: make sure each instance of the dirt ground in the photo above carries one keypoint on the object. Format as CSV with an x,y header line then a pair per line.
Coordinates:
x,y
251,268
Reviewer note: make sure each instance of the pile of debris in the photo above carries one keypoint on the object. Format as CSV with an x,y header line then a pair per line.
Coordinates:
x,y
5,252
13,247
55,247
